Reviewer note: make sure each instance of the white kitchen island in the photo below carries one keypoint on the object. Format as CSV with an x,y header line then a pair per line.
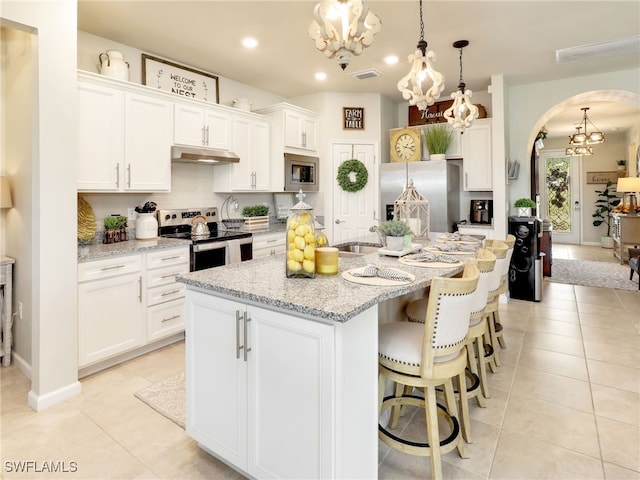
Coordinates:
x,y
281,374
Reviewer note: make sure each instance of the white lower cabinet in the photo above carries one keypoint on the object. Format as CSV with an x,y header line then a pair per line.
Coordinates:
x,y
110,308
260,388
127,302
269,244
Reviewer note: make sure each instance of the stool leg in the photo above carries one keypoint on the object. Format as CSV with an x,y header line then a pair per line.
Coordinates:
x,y
482,366
396,409
473,368
499,334
433,433
494,340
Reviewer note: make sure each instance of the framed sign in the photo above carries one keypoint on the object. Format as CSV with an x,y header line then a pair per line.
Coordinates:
x,y
602,177
353,118
178,79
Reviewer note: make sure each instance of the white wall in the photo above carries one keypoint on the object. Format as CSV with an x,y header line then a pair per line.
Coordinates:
x,y
53,222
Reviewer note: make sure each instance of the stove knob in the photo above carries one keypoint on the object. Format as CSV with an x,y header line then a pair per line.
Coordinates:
x,y
167,216
174,216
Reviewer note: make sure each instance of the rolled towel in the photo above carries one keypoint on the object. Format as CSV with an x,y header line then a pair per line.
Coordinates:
x,y
431,258
383,272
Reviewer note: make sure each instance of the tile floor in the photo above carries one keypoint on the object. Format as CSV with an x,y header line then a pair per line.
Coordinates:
x,y
565,404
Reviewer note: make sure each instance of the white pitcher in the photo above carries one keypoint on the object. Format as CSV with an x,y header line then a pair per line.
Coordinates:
x,y
112,64
242,104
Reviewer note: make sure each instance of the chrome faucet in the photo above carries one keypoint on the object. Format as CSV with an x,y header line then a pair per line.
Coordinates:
x,y
374,228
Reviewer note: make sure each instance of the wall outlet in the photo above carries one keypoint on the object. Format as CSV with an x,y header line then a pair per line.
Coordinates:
x,y
19,310
131,215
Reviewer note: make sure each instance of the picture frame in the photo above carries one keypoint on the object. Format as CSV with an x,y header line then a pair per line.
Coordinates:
x,y
353,118
179,79
602,177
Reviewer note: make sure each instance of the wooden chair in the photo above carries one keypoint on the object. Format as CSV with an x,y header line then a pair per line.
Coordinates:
x,y
634,259
426,356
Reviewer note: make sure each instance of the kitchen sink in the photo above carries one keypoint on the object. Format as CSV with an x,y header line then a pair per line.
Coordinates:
x,y
356,250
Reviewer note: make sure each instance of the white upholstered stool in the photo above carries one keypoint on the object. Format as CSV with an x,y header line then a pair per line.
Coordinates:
x,y
500,250
425,356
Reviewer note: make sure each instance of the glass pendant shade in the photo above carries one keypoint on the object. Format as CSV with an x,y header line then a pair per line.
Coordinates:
x,y
343,28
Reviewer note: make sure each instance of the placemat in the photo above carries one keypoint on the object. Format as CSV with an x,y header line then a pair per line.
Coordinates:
x,y
377,281
436,251
414,263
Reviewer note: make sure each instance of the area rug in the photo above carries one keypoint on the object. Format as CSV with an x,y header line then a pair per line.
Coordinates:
x,y
593,274
167,398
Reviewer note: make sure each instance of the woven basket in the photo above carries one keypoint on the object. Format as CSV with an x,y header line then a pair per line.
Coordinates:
x,y
233,223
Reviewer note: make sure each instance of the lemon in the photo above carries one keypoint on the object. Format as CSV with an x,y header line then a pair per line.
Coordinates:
x,y
305,217
309,266
294,266
302,230
321,241
298,255
292,224
309,252
291,234
309,238
300,243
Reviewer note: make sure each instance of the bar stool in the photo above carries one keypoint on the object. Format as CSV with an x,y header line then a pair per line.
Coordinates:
x,y
500,250
425,356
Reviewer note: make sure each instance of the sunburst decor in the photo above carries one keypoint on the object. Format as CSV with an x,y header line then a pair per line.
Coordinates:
x,y
86,220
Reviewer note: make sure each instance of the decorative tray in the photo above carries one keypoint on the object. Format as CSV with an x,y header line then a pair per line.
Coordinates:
x,y
399,253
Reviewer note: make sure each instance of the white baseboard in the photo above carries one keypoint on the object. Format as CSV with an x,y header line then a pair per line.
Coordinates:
x,y
41,402
21,364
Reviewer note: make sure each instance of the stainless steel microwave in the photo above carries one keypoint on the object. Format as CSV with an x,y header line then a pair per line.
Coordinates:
x,y
300,172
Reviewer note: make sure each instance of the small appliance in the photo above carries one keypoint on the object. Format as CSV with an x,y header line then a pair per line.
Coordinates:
x,y
481,211
300,173
208,249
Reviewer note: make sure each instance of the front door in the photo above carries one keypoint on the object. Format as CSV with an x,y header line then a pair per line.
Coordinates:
x,y
560,198
354,212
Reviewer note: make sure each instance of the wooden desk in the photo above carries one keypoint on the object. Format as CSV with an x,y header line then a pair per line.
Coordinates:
x,y
6,302
625,233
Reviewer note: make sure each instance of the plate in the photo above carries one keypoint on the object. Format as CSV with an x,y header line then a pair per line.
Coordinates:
x,y
377,281
399,253
414,263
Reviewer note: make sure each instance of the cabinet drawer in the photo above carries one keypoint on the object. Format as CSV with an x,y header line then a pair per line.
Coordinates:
x,y
165,275
173,256
109,267
165,319
164,293
271,240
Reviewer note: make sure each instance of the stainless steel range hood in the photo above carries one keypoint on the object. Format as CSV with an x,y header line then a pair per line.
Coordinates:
x,y
202,155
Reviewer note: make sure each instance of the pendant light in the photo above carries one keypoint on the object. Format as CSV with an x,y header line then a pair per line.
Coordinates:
x,y
462,112
585,138
343,28
578,151
413,85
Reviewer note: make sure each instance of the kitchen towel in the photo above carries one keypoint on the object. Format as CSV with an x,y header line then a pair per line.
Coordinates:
x,y
233,251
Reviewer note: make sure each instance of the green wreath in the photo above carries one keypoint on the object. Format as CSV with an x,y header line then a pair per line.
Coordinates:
x,y
344,175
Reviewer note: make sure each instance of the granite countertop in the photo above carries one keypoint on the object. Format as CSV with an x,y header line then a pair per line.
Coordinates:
x,y
263,282
129,247
476,225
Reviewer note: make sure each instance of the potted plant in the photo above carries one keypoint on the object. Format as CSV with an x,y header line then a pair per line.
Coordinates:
x,y
524,206
437,139
256,217
605,204
115,229
394,232
622,164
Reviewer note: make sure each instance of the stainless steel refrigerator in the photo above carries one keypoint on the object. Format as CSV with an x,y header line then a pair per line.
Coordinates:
x,y
437,181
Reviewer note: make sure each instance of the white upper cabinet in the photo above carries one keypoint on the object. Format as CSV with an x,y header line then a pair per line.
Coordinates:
x,y
476,156
124,137
198,126
301,130
251,142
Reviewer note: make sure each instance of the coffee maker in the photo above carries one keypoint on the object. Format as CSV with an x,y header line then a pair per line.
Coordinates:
x,y
481,211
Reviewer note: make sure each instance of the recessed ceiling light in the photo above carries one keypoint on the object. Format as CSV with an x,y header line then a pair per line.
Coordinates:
x,y
321,76
250,42
391,59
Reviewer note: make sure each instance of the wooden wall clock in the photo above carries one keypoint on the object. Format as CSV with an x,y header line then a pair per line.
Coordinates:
x,y
405,145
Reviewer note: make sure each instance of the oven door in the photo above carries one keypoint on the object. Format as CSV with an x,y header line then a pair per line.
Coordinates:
x,y
208,255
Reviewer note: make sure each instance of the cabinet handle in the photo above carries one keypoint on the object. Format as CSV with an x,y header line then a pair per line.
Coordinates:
x,y
170,293
202,135
170,275
207,136
304,139
104,269
238,346
466,182
140,289
247,319
169,258
273,241
129,175
117,175
173,317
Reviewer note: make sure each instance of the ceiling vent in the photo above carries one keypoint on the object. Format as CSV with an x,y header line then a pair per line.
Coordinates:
x,y
364,74
622,46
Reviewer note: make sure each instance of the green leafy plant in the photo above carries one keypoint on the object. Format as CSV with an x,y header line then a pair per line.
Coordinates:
x,y
604,205
115,222
255,211
437,138
394,228
524,203
622,163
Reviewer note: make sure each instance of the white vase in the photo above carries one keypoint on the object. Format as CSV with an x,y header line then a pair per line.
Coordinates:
x,y
395,243
523,211
437,156
606,242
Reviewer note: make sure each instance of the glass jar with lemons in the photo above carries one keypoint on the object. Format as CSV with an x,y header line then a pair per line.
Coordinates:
x,y
301,241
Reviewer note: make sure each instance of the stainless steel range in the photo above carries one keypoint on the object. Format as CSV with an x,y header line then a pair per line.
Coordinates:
x,y
210,247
